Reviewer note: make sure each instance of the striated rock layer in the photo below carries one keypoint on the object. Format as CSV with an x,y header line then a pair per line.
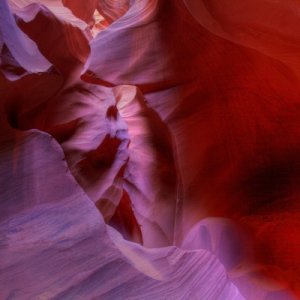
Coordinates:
x,y
149,149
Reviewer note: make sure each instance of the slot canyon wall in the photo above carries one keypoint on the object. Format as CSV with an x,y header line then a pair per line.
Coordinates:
x,y
150,149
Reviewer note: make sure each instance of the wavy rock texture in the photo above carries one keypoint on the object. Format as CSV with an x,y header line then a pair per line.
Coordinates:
x,y
18,52
149,150
55,245
22,8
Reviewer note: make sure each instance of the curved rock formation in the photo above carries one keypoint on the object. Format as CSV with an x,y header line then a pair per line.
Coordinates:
x,y
149,149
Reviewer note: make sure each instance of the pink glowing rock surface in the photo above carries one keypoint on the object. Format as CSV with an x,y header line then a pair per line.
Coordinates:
x,y
149,149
